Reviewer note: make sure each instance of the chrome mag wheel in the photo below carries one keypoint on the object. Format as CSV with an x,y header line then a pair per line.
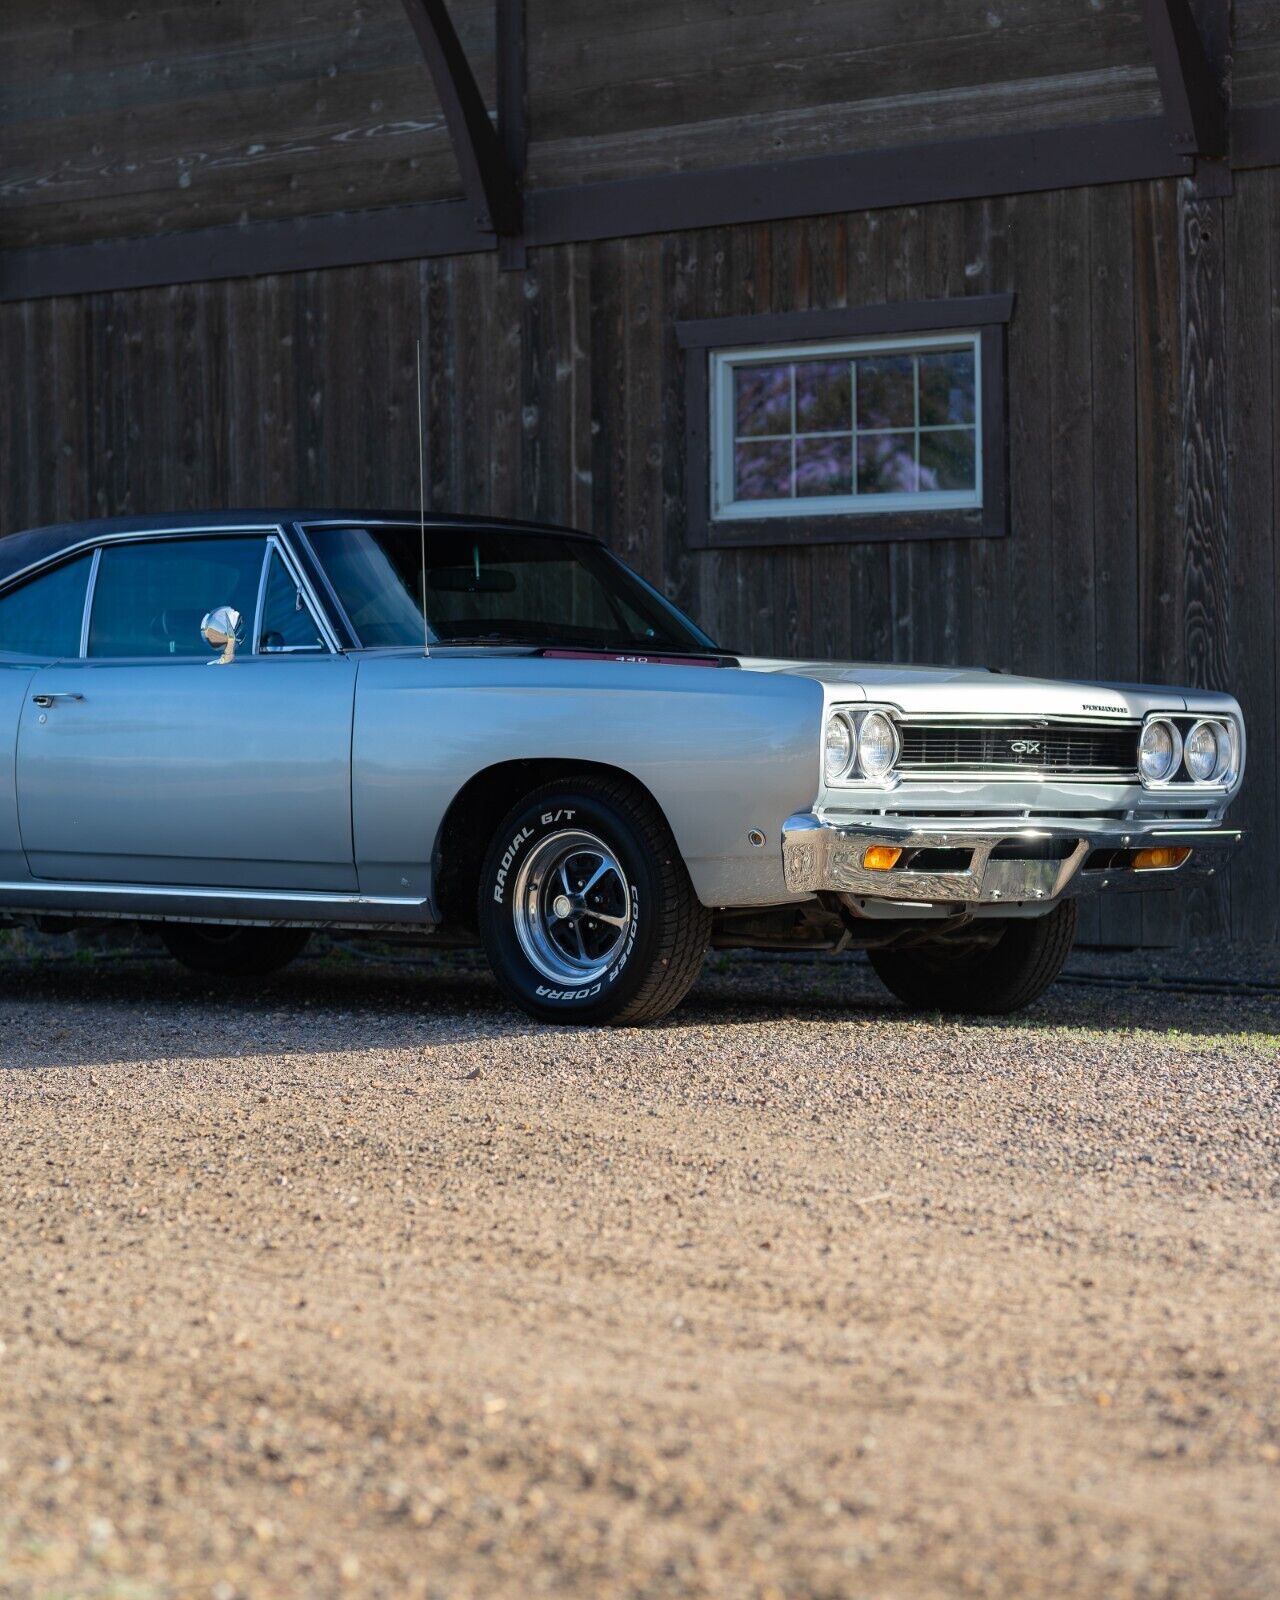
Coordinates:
x,y
572,907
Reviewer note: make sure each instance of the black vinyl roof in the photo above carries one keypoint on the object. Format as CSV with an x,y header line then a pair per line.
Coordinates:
x,y
36,546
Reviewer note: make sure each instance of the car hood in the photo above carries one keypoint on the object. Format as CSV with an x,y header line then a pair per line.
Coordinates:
x,y
948,691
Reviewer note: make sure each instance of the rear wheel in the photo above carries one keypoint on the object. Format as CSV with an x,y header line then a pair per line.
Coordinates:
x,y
990,981
228,952
586,910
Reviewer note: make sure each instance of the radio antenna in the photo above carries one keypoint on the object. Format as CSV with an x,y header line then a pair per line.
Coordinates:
x,y
422,507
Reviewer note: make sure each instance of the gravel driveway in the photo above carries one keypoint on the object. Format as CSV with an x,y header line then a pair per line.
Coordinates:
x,y
364,1285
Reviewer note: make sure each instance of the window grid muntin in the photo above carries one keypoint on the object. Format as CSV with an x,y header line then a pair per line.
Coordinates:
x,y
725,437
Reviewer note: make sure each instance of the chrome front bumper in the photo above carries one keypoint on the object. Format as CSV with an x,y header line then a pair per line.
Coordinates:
x,y
984,863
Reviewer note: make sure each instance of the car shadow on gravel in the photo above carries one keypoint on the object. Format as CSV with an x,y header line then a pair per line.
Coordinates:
x,y
137,1006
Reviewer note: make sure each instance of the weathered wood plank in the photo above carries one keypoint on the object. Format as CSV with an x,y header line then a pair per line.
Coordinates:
x,y
1115,510
1204,489
795,52
290,154
1160,516
680,253
1071,445
1253,372
108,59
869,617
621,150
1031,624
986,611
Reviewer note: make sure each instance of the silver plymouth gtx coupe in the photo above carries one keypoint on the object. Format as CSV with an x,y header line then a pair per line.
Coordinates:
x,y
242,727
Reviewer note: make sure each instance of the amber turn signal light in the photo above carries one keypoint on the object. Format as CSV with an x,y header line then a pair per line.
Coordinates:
x,y
881,857
1161,858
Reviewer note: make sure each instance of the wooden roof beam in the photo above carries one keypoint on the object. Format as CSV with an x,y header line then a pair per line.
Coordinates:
x,y
1195,108
487,179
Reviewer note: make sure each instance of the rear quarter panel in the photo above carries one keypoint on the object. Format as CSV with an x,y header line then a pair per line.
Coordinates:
x,y
721,751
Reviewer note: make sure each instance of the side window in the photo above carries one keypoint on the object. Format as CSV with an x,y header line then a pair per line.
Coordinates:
x,y
287,623
42,617
150,598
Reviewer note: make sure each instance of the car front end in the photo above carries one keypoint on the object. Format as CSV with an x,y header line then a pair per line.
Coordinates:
x,y
974,792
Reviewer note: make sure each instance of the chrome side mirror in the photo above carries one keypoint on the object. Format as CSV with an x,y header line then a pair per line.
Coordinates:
x,y
221,629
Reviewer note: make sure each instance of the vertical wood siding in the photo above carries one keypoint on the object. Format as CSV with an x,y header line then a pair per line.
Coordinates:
x,y
1144,394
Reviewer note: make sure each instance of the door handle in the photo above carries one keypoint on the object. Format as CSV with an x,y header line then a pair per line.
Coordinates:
x,y
48,699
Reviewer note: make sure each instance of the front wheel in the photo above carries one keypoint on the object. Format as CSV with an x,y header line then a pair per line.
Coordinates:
x,y
586,911
230,952
990,981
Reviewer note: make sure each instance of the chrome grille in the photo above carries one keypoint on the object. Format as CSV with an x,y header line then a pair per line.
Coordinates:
x,y
1061,747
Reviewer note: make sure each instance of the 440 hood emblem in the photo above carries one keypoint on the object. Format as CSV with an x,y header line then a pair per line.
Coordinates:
x,y
1025,747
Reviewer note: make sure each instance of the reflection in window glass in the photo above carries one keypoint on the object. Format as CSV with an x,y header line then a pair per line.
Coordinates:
x,y
41,619
151,597
849,428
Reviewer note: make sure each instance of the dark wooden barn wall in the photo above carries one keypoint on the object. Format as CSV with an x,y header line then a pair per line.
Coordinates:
x,y
1140,548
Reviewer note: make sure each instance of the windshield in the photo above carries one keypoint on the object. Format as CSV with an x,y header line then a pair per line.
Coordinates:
x,y
490,586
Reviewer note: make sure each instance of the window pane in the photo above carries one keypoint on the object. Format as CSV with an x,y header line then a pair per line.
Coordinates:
x,y
43,617
886,392
150,599
824,466
762,471
947,459
762,399
946,386
824,396
886,463
287,623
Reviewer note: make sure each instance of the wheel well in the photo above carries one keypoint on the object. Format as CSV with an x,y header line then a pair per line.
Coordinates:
x,y
472,820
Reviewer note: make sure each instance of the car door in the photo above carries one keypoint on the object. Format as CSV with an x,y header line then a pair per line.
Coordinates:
x,y
40,620
150,760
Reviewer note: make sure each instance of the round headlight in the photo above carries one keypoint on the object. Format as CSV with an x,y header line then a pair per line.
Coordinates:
x,y
1159,750
838,755
1207,752
877,745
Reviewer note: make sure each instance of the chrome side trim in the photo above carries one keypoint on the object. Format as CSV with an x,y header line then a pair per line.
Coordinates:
x,y
89,590
163,891
99,540
319,611
267,550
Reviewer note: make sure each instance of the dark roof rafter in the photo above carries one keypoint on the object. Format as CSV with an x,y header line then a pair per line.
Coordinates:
x,y
1191,84
487,179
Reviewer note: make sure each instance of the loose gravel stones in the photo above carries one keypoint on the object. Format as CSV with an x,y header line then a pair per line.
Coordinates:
x,y
362,1284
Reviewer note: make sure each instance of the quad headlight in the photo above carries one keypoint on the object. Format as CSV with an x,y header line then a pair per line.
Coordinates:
x,y
839,752
1204,750
1207,752
1159,751
860,745
877,746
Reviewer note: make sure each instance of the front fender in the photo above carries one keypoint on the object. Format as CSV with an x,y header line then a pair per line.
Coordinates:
x,y
724,753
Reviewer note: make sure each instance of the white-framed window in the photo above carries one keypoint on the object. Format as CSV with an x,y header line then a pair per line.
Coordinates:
x,y
846,427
